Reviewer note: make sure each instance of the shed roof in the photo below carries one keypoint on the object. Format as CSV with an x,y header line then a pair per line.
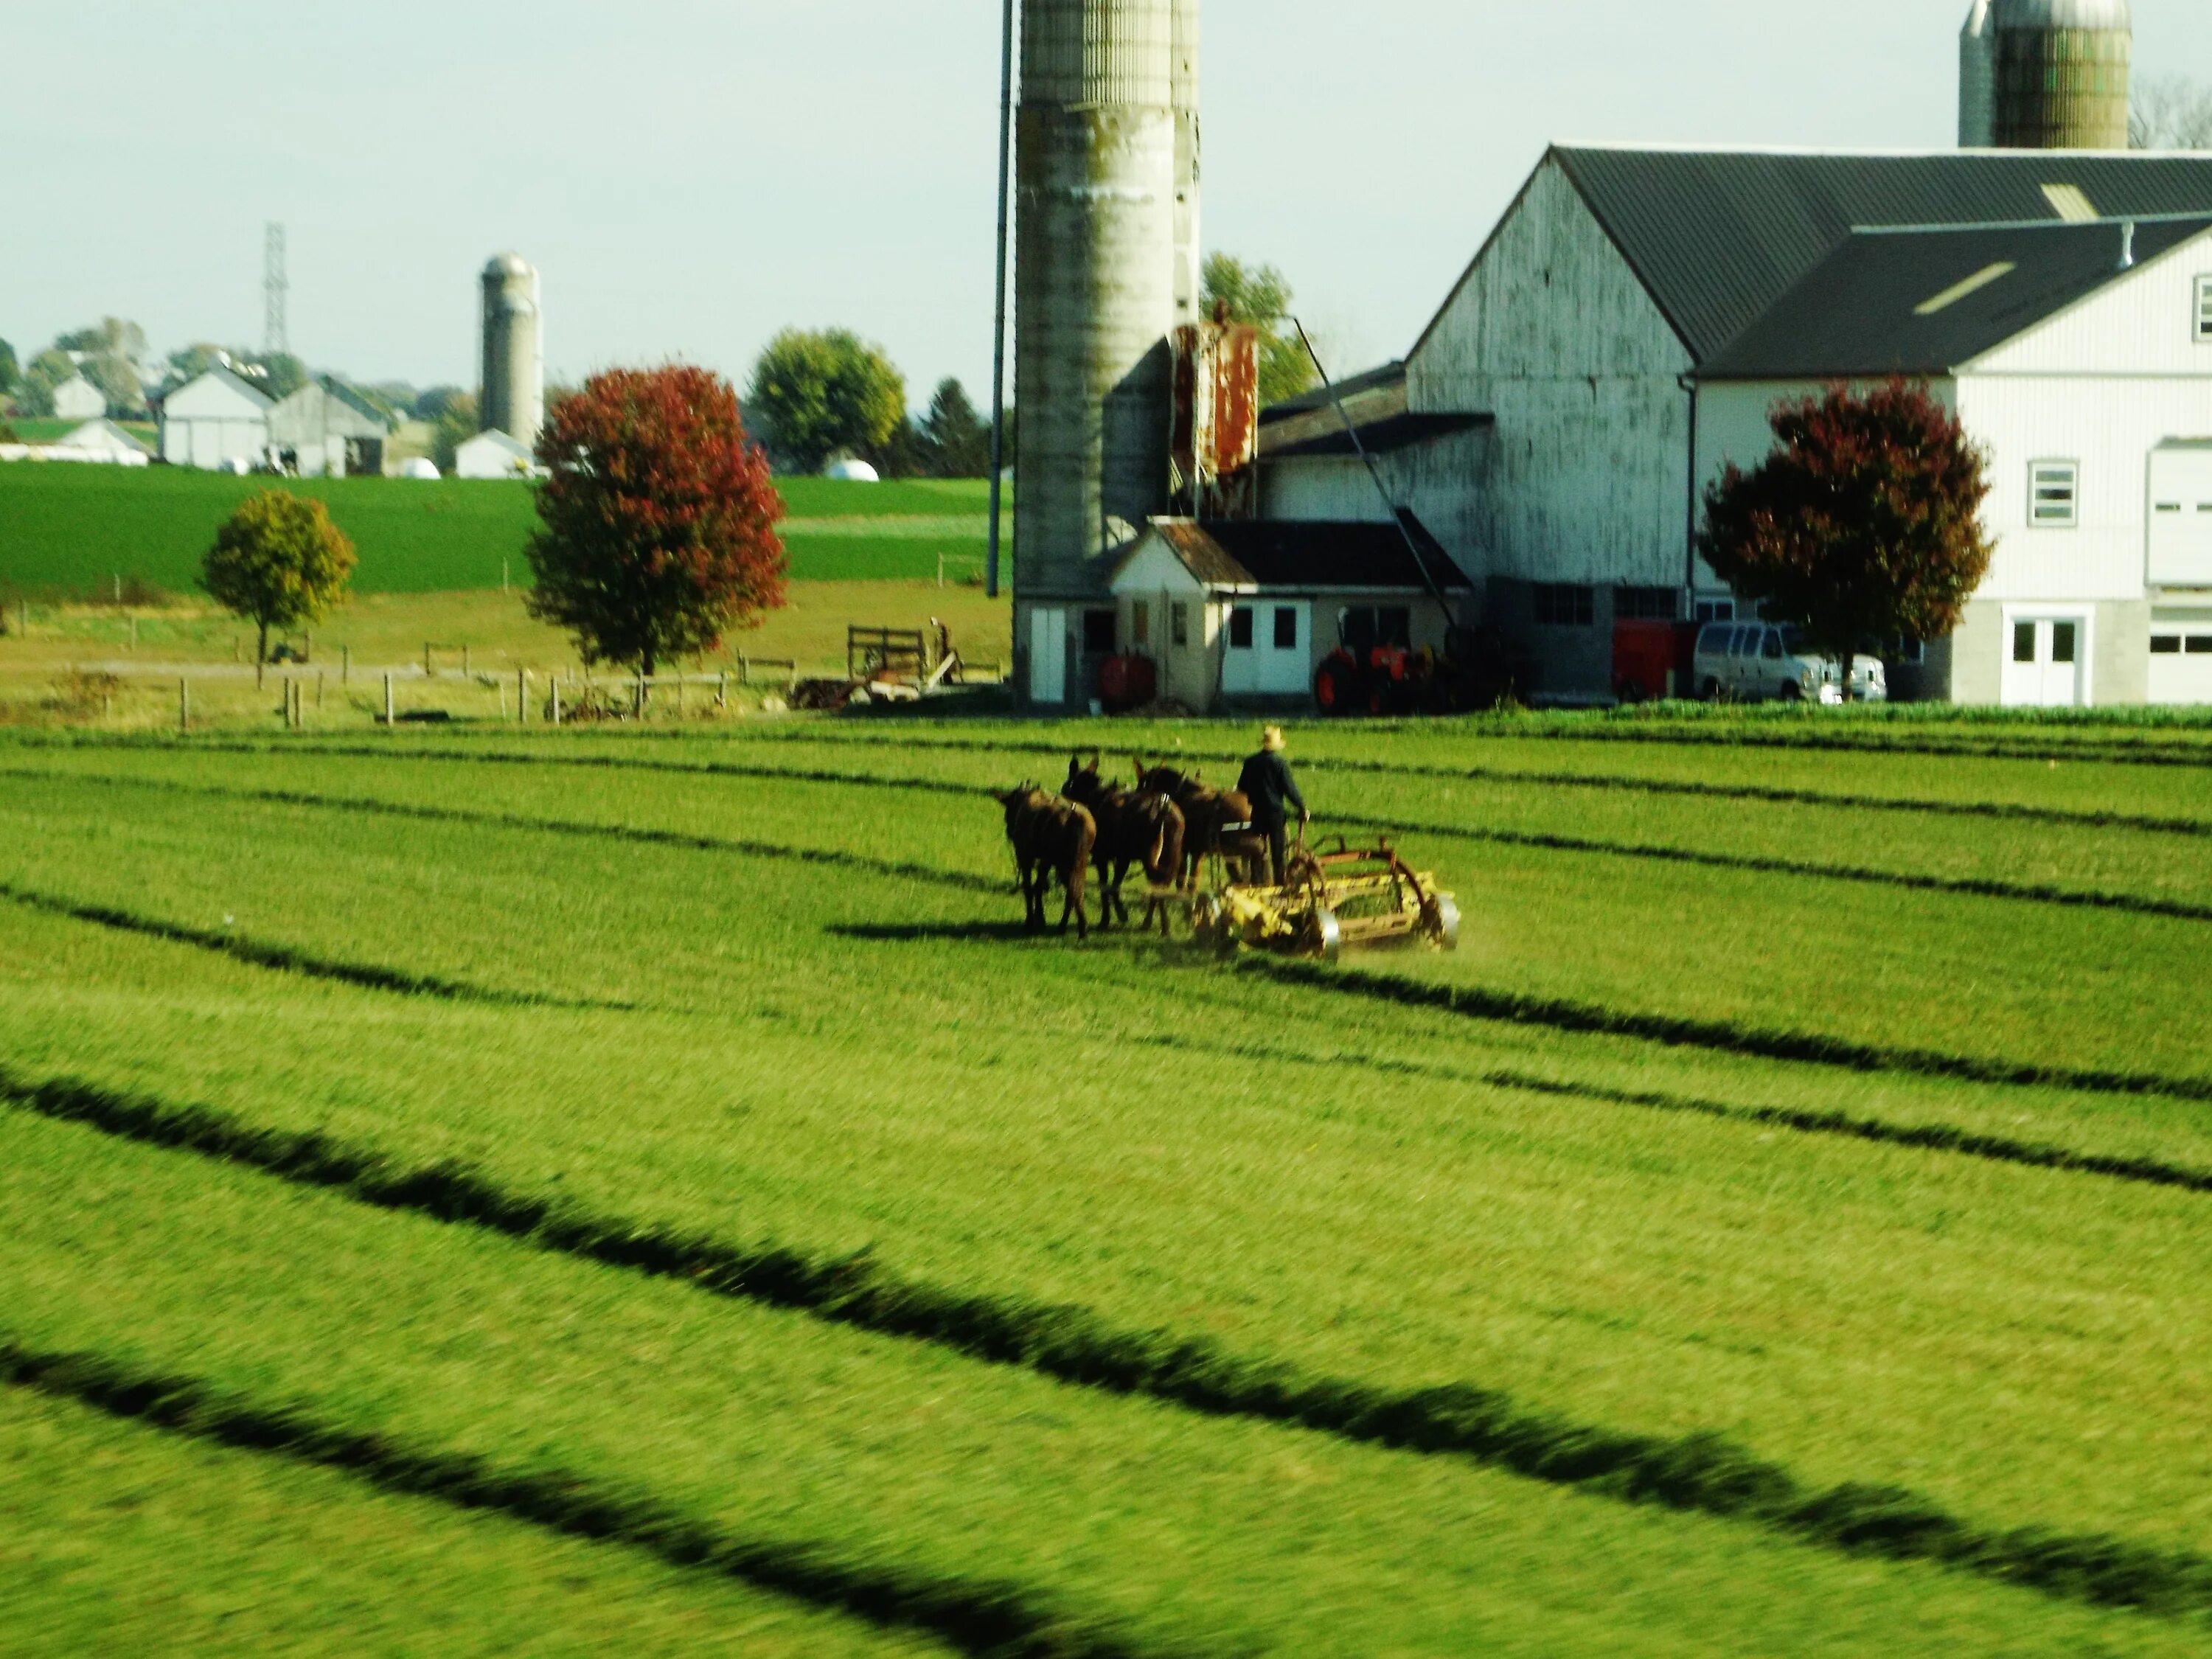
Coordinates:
x,y
1928,301
1718,236
219,377
1244,553
1377,437
1388,377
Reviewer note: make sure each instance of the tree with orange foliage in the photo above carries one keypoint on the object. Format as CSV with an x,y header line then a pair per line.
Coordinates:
x,y
657,520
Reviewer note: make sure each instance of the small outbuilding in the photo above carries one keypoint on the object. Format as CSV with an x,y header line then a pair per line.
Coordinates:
x,y
327,428
78,399
216,423
103,442
494,455
1246,612
851,470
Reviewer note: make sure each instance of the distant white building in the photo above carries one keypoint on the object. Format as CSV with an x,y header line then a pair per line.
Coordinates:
x,y
101,441
78,399
494,455
216,424
327,428
852,471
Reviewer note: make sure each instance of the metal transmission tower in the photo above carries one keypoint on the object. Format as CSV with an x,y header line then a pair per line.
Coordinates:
x,y
276,287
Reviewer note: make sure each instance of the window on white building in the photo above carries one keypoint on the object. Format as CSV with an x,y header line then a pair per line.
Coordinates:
x,y
2204,310
2054,496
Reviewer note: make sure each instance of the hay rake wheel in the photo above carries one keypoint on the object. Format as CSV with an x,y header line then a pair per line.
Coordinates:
x,y
1334,900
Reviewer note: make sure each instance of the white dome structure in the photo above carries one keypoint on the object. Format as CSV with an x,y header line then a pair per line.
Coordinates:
x,y
850,471
420,468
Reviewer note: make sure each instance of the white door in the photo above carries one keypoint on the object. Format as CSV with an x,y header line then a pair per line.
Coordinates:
x,y
2045,661
2181,661
1268,651
2181,517
1048,656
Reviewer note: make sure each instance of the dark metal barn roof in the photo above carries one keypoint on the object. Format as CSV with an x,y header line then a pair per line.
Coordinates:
x,y
1926,301
1308,555
1718,236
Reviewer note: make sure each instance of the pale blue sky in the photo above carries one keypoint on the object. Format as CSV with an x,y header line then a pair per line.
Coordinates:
x,y
692,174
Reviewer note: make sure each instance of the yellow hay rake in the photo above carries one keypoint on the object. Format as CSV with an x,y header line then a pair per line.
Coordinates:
x,y
1344,896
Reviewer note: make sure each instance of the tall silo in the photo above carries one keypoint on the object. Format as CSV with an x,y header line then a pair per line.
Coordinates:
x,y
1189,255
1978,79
2064,73
1095,302
513,350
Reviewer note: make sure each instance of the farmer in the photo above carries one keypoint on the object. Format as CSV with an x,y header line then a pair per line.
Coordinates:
x,y
1268,784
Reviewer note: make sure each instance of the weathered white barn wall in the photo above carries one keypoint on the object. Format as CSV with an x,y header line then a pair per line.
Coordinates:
x,y
1441,482
1552,333
1586,476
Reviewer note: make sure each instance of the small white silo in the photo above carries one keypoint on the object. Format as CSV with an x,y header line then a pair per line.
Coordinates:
x,y
1978,79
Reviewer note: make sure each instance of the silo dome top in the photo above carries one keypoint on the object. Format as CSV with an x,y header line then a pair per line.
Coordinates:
x,y
2062,14
509,265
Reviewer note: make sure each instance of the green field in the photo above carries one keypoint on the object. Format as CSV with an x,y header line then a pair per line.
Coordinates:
x,y
74,528
529,1193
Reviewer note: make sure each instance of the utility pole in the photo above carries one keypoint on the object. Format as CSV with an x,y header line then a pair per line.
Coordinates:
x,y
275,289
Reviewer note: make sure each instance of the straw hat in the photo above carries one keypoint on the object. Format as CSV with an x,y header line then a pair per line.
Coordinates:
x,y
1272,739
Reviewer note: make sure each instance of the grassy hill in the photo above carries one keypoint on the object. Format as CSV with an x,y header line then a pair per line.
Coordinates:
x,y
74,528
646,1182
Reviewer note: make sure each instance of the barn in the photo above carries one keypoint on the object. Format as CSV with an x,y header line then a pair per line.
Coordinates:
x,y
216,423
1619,336
327,428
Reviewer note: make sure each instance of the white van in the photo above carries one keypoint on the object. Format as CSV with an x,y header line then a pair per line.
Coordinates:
x,y
1763,662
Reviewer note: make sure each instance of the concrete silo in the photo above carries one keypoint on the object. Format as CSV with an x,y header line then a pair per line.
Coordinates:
x,y
513,350
1101,167
1978,79
1189,254
2064,73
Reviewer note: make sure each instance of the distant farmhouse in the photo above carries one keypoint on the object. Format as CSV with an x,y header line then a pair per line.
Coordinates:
x,y
78,399
494,455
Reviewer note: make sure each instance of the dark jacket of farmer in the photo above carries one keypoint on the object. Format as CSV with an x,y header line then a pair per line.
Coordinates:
x,y
1268,784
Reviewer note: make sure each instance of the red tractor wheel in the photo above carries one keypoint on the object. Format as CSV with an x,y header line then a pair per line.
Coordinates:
x,y
1336,686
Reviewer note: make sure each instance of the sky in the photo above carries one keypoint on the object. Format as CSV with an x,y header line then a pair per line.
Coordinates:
x,y
691,176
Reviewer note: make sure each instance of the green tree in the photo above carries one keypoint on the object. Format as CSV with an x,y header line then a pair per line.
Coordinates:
x,y
657,517
1864,523
278,562
959,439
110,354
11,372
49,369
814,394
1260,296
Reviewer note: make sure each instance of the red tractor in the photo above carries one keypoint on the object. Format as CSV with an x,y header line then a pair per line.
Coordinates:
x,y
1377,670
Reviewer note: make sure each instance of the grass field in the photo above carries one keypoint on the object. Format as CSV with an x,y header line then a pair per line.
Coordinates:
x,y
74,528
643,1186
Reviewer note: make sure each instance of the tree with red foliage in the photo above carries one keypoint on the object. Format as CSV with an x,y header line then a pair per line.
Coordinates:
x,y
1864,523
658,532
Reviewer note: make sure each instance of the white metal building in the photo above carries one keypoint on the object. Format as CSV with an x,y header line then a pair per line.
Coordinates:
x,y
217,423
494,455
1584,327
2078,356
327,428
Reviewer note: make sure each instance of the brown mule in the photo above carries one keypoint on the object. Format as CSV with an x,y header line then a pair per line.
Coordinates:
x,y
1134,828
1217,823
1050,837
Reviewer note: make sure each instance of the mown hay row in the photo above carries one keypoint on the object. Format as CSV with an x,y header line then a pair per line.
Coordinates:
x,y
285,959
1800,1047
1070,1344
1944,1138
970,1616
